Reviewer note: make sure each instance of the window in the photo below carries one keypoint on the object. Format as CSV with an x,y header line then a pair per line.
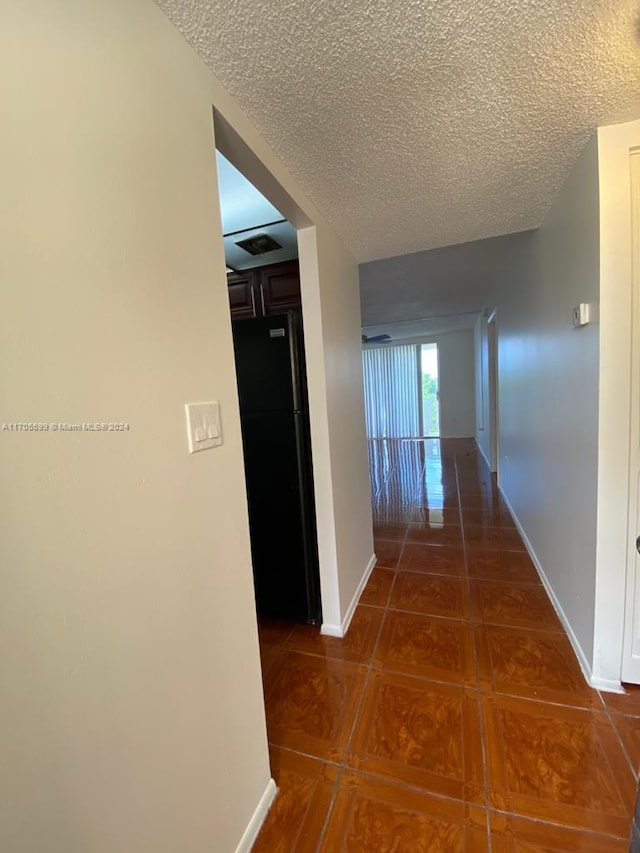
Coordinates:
x,y
401,391
430,389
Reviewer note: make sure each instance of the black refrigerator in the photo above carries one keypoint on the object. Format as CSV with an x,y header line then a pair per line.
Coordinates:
x,y
271,375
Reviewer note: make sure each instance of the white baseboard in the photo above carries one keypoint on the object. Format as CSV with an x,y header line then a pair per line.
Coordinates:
x,y
332,630
607,685
484,455
255,824
577,648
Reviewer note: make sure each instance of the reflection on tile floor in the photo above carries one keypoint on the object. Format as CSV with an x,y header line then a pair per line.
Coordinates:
x,y
454,716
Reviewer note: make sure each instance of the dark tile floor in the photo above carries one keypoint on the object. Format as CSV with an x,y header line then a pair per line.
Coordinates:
x,y
454,715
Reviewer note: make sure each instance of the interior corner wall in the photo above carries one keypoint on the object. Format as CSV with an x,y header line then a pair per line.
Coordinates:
x,y
481,374
615,537
331,312
132,709
548,395
340,312
336,403
457,383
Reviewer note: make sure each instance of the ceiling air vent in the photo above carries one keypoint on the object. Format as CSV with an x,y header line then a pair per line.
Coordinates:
x,y
259,245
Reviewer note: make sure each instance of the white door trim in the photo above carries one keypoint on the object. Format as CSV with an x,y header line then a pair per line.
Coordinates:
x,y
630,670
494,394
614,146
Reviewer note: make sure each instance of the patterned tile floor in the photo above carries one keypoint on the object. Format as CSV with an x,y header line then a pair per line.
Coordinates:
x,y
454,715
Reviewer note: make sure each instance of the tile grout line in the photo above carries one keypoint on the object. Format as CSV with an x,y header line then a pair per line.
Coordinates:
x,y
327,817
365,684
476,667
407,786
612,722
588,709
472,622
558,824
342,766
400,556
369,669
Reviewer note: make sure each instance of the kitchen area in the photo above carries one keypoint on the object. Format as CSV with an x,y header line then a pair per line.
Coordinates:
x,y
266,313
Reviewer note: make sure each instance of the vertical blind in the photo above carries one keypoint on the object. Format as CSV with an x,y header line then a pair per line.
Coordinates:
x,y
391,392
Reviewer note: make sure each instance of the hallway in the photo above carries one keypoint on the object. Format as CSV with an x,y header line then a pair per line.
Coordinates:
x,y
454,716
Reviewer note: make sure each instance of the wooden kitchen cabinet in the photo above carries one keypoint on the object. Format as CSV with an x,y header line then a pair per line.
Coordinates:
x,y
262,291
242,294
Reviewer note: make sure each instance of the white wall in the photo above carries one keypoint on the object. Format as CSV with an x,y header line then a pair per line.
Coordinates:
x,y
457,384
481,364
482,369
346,488
548,395
132,713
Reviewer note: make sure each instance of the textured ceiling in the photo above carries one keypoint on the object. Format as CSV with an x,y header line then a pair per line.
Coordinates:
x,y
420,123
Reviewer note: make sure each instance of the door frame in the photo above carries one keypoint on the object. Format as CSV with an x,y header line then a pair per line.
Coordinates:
x,y
228,140
615,144
630,666
494,393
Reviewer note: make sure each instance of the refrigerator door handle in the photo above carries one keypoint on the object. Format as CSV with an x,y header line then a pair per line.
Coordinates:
x,y
262,298
253,300
294,343
309,534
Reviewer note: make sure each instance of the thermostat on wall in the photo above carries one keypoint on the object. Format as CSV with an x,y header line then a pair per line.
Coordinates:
x,y
581,315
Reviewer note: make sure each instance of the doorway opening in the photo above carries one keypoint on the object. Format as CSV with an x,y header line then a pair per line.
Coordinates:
x,y
265,304
430,390
494,419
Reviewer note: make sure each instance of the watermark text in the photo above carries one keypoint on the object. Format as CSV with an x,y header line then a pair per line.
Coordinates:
x,y
60,426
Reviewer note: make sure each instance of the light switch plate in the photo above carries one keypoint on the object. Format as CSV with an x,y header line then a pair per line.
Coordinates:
x,y
203,426
581,315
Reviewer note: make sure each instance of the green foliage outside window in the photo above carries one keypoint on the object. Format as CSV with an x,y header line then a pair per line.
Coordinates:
x,y
429,386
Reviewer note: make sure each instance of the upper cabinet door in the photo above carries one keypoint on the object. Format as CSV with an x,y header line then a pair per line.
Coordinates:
x,y
280,288
242,294
263,291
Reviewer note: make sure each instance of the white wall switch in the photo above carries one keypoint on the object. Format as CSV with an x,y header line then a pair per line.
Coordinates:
x,y
581,315
203,426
